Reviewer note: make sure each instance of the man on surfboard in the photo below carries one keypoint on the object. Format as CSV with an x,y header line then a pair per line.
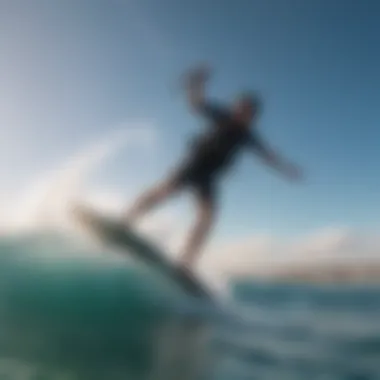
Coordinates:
x,y
209,157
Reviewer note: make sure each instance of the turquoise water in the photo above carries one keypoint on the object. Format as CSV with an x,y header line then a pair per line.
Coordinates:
x,y
68,313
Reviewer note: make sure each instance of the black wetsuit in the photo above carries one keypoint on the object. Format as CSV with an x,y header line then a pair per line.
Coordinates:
x,y
214,151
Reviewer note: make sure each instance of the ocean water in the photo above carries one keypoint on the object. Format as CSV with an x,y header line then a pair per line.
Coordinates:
x,y
66,313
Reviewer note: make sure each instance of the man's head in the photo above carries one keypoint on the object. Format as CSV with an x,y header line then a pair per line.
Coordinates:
x,y
246,107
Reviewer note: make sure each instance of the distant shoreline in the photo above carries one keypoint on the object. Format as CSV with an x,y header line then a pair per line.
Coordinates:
x,y
325,273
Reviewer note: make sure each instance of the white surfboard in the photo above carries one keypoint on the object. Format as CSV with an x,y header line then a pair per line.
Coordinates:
x,y
117,234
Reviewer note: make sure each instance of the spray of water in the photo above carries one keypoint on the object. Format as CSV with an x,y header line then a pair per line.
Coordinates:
x,y
45,202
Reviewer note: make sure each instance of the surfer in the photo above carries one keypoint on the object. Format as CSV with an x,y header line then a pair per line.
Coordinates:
x,y
209,156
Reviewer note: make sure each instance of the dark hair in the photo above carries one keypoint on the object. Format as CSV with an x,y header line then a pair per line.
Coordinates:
x,y
253,99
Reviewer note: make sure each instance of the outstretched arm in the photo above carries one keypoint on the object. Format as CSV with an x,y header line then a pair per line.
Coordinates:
x,y
277,162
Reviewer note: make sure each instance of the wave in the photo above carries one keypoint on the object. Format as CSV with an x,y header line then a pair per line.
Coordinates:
x,y
89,315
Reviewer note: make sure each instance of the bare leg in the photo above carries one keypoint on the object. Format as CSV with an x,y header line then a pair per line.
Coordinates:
x,y
199,232
150,199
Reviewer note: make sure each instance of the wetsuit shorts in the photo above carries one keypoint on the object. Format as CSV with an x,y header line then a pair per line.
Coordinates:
x,y
198,175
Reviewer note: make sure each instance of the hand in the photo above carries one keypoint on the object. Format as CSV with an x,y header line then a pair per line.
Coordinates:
x,y
293,172
198,75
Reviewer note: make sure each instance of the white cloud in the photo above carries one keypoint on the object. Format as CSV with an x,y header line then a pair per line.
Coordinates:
x,y
259,254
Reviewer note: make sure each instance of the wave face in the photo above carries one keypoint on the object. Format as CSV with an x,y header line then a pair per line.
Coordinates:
x,y
69,312
65,310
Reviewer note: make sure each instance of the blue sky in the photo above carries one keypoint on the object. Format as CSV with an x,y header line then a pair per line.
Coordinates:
x,y
71,71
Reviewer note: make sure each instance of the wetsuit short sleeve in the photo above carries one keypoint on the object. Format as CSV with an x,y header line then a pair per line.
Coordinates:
x,y
213,112
257,144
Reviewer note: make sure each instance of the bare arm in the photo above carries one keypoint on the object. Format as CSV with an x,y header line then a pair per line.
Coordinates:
x,y
277,162
195,82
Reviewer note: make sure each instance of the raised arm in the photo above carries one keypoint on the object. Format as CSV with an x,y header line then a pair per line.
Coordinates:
x,y
195,82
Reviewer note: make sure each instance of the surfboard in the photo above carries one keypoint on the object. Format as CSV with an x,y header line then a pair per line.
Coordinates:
x,y
113,232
